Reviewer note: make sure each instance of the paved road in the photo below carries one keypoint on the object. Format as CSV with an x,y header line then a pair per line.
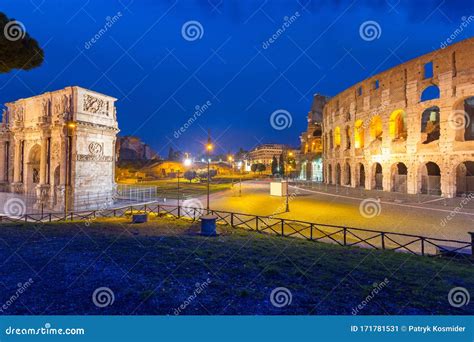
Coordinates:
x,y
426,219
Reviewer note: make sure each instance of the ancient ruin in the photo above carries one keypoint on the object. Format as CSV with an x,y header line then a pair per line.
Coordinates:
x,y
59,149
408,129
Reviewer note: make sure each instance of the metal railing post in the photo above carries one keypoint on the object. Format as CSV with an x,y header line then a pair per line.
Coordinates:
x,y
282,227
256,223
311,232
382,236
232,220
422,240
345,235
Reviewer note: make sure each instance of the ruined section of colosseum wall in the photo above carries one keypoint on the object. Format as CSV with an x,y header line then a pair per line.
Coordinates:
x,y
400,90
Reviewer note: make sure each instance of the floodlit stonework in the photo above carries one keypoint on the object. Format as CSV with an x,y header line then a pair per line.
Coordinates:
x,y
59,147
311,161
408,129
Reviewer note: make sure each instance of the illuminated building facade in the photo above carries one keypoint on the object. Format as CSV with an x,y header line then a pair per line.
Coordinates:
x,y
264,153
311,161
408,129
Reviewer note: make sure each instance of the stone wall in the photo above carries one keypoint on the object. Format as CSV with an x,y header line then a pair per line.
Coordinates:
x,y
380,120
60,147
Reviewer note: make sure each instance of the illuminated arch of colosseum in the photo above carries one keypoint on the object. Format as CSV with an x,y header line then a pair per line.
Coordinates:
x,y
408,129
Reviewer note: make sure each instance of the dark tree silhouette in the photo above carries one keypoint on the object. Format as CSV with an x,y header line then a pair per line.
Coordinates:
x,y
281,164
17,49
274,166
261,168
190,175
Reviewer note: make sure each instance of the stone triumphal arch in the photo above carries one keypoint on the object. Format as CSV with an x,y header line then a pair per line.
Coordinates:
x,y
59,149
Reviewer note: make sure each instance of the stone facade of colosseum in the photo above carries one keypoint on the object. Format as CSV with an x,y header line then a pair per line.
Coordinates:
x,y
58,149
408,129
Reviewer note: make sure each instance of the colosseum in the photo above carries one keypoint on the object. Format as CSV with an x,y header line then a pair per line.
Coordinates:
x,y
409,129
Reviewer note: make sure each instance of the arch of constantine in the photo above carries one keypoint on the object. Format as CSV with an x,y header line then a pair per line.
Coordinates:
x,y
408,129
59,149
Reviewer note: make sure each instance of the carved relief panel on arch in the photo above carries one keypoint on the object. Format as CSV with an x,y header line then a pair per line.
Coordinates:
x,y
95,105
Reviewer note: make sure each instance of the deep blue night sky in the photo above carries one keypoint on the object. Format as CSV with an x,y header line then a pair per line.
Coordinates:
x,y
159,77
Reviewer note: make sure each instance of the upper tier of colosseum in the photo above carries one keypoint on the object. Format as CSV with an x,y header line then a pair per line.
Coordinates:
x,y
403,85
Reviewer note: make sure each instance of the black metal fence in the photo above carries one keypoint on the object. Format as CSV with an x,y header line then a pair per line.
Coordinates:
x,y
340,235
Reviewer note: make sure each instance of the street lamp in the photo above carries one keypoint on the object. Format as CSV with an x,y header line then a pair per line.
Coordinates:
x,y
209,148
187,162
230,159
179,209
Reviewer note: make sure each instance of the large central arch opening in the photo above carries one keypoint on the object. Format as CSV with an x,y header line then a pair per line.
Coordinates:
x,y
33,169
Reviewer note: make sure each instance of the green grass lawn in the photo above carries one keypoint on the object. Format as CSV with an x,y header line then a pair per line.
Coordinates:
x,y
168,188
158,267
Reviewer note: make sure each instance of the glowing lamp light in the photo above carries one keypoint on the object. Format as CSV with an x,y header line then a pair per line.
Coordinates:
x,y
209,147
187,162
